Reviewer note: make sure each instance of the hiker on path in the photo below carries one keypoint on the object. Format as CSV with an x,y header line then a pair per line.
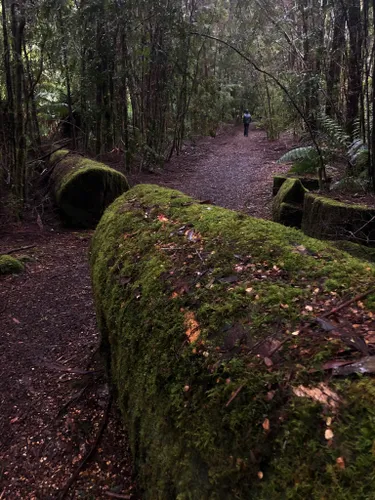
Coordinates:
x,y
246,122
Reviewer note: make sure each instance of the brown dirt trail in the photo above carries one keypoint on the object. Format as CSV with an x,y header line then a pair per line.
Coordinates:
x,y
230,170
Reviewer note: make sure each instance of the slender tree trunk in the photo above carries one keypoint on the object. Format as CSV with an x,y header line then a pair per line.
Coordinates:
x,y
31,97
355,62
9,110
372,148
18,26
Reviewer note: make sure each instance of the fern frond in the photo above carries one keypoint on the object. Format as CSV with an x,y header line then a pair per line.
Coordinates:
x,y
299,154
357,129
334,133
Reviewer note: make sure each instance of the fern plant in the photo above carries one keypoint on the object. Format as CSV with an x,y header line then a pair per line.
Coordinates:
x,y
335,144
306,160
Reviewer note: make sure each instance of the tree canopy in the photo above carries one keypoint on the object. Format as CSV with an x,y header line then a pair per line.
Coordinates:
x,y
139,77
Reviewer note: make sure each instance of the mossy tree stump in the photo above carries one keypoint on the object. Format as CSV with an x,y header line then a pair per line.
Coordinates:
x,y
310,183
83,188
197,305
287,205
325,218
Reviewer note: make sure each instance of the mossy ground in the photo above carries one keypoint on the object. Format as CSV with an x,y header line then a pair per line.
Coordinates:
x,y
10,265
84,188
359,251
192,299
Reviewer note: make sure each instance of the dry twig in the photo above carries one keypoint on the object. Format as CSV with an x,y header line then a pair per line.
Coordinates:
x,y
348,303
234,395
15,250
117,495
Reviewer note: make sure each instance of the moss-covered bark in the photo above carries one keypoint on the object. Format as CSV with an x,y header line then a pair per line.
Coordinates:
x,y
10,265
83,188
325,218
192,300
287,205
309,183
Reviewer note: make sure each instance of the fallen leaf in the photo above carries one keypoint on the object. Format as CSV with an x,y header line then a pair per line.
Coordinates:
x,y
297,332
340,462
14,420
322,394
300,249
328,434
17,321
364,365
192,327
335,363
191,235
162,218
229,279
268,362
309,308
266,425
270,395
328,327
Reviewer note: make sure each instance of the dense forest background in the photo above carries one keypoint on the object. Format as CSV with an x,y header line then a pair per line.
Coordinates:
x,y
140,76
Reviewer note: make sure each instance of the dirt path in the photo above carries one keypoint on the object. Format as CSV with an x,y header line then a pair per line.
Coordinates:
x,y
50,417
230,170
47,328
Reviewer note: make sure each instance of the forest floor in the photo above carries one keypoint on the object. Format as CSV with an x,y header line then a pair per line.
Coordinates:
x,y
229,170
54,395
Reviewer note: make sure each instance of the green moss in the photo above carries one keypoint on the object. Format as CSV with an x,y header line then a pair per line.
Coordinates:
x,y
287,204
195,410
359,251
310,183
84,188
278,181
10,265
325,218
59,155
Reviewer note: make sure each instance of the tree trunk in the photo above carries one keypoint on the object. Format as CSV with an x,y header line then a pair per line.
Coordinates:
x,y
354,63
18,26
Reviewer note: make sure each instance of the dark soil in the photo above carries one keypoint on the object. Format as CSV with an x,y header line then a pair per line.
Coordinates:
x,y
50,416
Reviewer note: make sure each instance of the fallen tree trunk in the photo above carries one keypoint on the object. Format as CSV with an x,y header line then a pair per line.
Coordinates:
x,y
222,395
82,188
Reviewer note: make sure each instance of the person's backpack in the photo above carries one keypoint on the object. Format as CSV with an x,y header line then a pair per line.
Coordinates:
x,y
246,118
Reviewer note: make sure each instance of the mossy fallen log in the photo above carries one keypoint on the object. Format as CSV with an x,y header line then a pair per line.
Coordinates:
x,y
83,188
200,309
325,218
10,265
287,205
